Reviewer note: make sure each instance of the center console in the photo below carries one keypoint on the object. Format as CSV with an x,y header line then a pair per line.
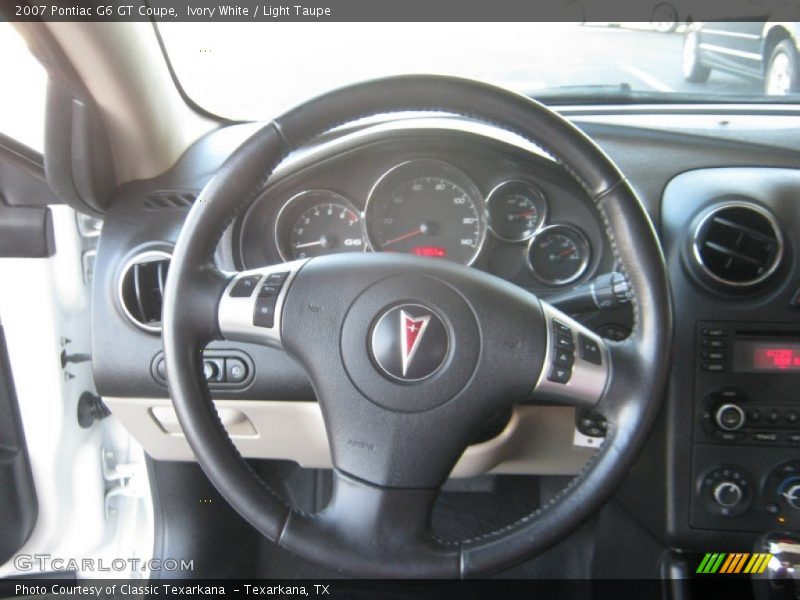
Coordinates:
x,y
733,433
747,395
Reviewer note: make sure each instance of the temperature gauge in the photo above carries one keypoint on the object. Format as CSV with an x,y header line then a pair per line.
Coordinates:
x,y
559,254
516,210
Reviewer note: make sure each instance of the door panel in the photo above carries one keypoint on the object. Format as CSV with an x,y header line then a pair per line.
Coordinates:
x,y
26,231
18,504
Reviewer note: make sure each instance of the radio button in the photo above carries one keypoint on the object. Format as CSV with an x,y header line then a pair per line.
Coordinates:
x,y
793,438
765,437
714,332
559,374
753,415
791,416
728,436
564,342
712,344
731,394
560,328
773,416
713,367
564,358
729,417
713,355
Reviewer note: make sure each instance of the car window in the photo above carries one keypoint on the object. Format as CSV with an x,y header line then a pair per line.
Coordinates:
x,y
24,88
256,70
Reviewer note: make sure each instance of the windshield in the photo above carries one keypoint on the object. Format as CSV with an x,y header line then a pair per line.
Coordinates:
x,y
255,71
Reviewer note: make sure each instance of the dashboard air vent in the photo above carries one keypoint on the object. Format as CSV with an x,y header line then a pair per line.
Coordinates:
x,y
162,199
738,244
141,289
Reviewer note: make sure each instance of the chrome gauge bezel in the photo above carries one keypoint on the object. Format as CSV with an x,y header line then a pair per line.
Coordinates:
x,y
427,167
585,262
282,228
498,191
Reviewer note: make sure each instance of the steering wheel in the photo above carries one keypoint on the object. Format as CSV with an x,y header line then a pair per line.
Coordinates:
x,y
409,356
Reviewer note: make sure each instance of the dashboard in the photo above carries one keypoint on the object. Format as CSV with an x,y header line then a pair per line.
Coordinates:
x,y
466,198
721,187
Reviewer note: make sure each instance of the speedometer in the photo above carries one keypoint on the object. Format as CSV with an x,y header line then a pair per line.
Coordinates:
x,y
427,208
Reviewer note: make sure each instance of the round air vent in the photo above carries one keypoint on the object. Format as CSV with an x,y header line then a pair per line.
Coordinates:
x,y
738,244
141,289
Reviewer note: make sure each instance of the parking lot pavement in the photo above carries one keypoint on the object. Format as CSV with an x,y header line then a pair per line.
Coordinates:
x,y
652,61
592,55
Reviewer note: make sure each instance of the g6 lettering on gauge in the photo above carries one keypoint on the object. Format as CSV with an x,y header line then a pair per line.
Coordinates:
x,y
318,222
427,208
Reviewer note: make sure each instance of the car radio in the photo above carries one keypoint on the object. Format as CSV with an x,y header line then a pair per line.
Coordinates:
x,y
747,383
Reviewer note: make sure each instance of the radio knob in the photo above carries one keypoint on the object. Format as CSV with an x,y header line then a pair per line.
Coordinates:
x,y
728,494
792,496
729,417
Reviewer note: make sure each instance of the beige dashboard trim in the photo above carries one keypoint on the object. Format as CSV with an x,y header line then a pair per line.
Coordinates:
x,y
536,441
148,123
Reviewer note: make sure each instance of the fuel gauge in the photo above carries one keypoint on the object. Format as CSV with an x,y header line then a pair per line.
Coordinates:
x,y
516,210
559,254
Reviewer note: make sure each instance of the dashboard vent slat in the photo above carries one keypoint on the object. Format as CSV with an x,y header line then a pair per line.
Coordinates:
x,y
738,244
141,289
169,199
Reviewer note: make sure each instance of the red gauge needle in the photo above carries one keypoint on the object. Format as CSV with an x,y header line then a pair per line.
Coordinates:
x,y
524,215
400,238
566,252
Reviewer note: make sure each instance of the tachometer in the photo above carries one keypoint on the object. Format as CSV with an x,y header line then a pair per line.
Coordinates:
x,y
428,208
316,223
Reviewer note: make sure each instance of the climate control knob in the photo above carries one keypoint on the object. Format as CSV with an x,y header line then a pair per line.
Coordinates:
x,y
729,417
781,495
727,493
792,495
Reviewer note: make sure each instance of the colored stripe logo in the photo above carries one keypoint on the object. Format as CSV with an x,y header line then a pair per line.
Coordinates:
x,y
736,562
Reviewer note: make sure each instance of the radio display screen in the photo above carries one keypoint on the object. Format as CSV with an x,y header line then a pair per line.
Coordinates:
x,y
750,356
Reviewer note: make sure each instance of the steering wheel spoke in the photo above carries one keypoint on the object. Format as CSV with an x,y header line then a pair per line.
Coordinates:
x,y
391,525
251,306
577,363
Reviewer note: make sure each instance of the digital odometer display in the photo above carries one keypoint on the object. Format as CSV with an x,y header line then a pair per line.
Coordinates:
x,y
766,355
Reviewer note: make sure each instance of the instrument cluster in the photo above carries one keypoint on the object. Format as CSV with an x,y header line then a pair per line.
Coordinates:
x,y
430,208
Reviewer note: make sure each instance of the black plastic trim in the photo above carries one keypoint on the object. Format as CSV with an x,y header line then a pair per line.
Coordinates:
x,y
26,232
19,508
78,159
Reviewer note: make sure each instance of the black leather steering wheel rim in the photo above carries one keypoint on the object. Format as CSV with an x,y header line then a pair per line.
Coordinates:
x,y
630,401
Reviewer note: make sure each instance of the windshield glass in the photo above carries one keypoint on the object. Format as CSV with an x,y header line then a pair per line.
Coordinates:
x,y
255,71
